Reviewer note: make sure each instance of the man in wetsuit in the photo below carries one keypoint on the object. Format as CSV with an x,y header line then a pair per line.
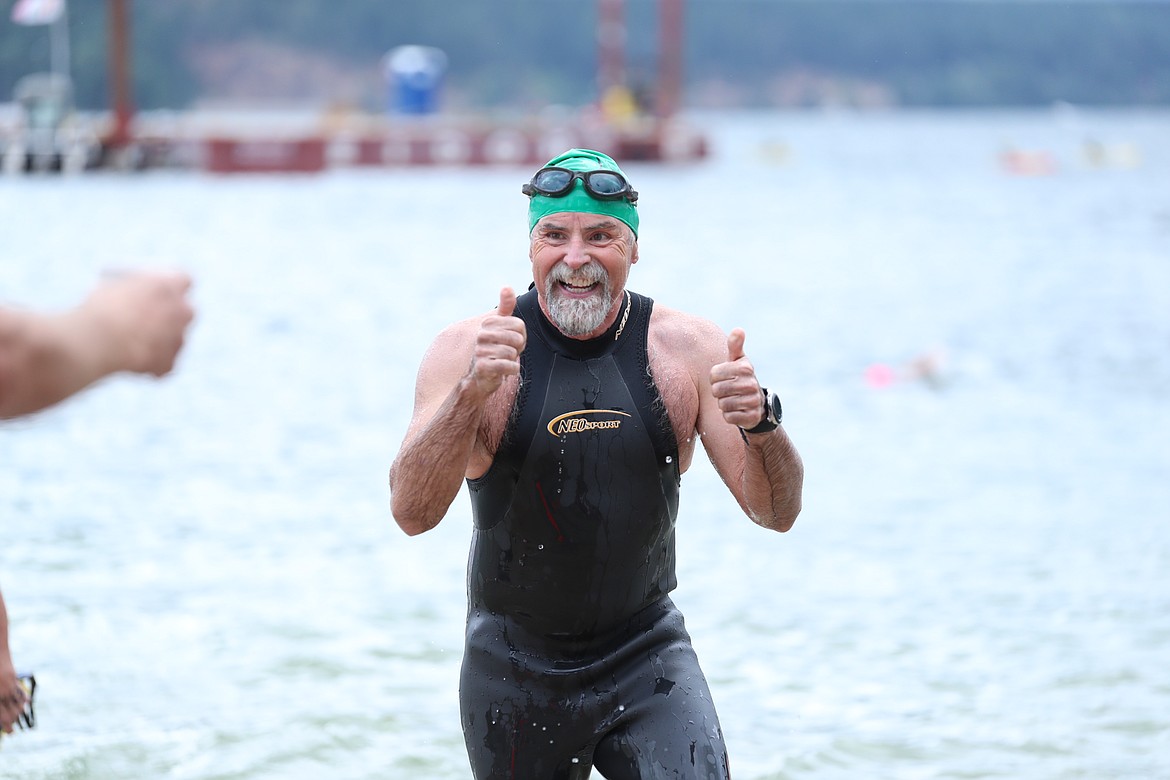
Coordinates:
x,y
572,412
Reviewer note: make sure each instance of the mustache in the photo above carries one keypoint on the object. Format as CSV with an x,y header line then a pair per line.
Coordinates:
x,y
590,273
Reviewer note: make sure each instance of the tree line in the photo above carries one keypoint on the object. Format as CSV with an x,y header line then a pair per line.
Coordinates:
x,y
935,53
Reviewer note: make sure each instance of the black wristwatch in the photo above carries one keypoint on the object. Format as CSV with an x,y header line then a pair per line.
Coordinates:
x,y
773,413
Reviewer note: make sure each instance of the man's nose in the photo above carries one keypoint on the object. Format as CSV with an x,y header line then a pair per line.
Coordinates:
x,y
577,253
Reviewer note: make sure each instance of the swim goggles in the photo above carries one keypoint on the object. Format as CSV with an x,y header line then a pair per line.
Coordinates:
x,y
556,182
28,718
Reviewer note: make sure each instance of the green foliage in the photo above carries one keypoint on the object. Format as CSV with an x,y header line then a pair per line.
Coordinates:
x,y
521,52
946,53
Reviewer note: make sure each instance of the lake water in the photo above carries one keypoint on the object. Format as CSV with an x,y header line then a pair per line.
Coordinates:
x,y
204,575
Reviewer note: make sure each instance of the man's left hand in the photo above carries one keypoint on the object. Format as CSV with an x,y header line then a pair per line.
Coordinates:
x,y
735,386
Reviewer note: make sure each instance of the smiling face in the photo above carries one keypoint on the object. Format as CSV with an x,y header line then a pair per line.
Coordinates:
x,y
580,263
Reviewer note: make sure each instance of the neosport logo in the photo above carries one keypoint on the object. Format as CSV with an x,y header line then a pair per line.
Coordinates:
x,y
585,420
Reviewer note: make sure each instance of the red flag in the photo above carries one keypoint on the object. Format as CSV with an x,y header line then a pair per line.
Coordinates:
x,y
37,11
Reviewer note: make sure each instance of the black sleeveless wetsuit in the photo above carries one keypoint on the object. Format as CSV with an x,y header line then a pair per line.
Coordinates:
x,y
575,655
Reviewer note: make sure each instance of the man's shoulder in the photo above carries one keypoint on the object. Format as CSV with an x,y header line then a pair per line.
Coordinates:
x,y
685,336
675,324
463,330
455,340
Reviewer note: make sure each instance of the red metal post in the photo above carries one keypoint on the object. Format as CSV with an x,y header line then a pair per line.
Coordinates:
x,y
670,62
611,42
119,64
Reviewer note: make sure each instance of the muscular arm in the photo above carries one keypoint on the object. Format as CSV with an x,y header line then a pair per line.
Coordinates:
x,y
438,448
466,365
133,323
765,472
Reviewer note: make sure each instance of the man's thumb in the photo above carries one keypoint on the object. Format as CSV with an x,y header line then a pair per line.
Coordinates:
x,y
507,302
735,344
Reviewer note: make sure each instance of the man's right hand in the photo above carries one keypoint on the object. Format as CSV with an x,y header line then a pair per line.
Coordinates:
x,y
498,345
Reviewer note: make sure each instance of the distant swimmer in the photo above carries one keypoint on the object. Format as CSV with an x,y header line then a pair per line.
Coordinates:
x,y
926,368
1027,162
572,411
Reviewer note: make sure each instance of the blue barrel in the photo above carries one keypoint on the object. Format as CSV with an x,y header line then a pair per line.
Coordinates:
x,y
414,76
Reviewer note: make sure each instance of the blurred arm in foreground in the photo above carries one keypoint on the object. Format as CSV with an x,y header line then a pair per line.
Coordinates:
x,y
134,322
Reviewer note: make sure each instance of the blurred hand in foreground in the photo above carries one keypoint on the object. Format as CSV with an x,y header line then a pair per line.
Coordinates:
x,y
134,321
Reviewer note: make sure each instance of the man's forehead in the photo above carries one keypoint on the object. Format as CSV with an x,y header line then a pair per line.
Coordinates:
x,y
565,219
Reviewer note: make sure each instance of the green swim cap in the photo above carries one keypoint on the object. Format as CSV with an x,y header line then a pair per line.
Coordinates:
x,y
578,199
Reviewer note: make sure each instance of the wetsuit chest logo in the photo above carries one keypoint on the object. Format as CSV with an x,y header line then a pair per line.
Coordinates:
x,y
586,420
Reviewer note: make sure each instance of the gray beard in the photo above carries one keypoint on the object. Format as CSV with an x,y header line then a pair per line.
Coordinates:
x,y
576,317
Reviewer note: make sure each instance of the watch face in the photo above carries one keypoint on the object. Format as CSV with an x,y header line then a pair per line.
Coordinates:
x,y
777,410
771,419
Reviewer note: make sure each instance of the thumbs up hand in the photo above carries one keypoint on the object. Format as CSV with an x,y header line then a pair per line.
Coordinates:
x,y
735,386
498,345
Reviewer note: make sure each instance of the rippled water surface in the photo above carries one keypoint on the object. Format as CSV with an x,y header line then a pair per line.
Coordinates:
x,y
205,578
